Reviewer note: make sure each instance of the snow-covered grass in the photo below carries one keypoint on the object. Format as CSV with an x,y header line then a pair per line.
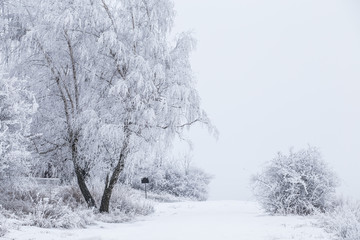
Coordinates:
x,y
57,215
344,220
126,204
3,229
64,207
225,220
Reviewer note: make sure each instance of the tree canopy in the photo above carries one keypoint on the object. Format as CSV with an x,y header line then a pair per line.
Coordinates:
x,y
109,83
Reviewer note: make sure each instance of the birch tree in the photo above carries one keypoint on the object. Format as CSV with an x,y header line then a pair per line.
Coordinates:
x,y
108,81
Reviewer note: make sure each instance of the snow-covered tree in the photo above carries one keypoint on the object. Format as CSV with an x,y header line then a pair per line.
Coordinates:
x,y
108,81
298,183
17,106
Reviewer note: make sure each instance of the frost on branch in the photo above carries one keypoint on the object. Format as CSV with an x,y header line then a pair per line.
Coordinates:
x,y
17,106
297,183
344,220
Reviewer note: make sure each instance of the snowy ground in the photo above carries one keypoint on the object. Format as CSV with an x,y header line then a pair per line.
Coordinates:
x,y
218,220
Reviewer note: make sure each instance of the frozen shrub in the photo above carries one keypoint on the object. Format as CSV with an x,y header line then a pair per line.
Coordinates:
x,y
297,183
20,200
56,215
66,209
130,202
125,204
165,197
63,206
191,183
70,195
47,207
343,221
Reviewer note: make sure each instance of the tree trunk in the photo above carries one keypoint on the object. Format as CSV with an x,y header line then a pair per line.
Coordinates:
x,y
83,188
105,200
80,176
109,185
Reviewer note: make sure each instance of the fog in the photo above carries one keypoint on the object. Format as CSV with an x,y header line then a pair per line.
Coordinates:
x,y
274,75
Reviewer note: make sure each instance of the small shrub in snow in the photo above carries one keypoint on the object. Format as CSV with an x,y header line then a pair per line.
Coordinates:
x,y
165,197
343,221
20,200
125,204
42,207
70,195
56,215
131,202
171,178
64,207
298,183
192,184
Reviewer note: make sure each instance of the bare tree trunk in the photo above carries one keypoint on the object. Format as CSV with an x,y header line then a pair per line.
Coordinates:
x,y
80,176
109,184
83,188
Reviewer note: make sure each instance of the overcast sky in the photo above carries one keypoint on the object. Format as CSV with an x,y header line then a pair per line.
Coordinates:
x,y
274,75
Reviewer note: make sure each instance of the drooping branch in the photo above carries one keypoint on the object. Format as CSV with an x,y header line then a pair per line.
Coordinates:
x,y
54,148
73,67
66,108
57,75
107,10
183,125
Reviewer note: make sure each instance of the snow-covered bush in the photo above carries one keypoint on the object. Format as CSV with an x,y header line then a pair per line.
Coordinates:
x,y
56,215
130,201
192,184
297,183
63,206
70,195
125,204
344,220
20,200
173,178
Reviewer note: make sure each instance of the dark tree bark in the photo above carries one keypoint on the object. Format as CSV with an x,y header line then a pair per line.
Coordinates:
x,y
110,183
84,189
81,177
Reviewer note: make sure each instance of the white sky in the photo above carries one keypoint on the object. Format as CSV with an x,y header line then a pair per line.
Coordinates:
x,y
271,75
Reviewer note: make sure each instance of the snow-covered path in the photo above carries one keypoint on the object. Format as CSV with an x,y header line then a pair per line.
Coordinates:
x,y
213,220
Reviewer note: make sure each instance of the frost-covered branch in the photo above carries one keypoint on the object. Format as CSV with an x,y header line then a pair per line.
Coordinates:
x,y
298,183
